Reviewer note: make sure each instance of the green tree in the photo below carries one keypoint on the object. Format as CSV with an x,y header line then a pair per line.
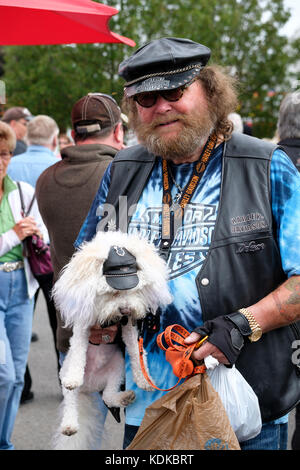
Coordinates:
x,y
244,36
1,61
49,79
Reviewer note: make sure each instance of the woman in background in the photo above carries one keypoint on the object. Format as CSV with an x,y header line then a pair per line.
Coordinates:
x,y
17,287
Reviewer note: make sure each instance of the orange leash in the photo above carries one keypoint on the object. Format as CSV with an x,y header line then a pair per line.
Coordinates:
x,y
177,353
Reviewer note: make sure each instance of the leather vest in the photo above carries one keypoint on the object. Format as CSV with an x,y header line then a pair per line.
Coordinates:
x,y
243,264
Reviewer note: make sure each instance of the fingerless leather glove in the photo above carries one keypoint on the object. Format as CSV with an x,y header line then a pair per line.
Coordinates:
x,y
227,334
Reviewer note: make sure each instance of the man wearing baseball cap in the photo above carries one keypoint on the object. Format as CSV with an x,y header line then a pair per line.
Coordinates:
x,y
66,190
223,209
18,118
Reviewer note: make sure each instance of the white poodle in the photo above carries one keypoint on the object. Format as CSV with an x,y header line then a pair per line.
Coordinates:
x,y
113,275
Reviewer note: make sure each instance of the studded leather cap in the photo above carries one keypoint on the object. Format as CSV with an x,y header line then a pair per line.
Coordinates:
x,y
163,64
120,269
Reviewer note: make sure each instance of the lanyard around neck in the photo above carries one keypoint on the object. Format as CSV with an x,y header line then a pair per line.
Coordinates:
x,y
171,213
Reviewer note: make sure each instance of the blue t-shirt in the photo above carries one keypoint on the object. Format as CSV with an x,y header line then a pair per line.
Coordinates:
x,y
28,166
190,247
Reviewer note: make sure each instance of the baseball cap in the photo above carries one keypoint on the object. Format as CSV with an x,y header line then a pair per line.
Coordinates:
x,y
94,112
120,269
15,113
163,64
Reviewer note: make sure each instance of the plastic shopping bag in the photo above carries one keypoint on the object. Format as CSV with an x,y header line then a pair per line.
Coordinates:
x,y
190,417
239,400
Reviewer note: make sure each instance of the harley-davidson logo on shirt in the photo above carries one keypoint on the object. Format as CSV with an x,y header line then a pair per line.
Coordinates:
x,y
192,238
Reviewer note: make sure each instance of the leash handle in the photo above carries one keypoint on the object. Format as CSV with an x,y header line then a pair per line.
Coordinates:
x,y
141,352
177,352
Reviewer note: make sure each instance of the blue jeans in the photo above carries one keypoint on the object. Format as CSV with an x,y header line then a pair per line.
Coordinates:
x,y
272,437
129,434
16,312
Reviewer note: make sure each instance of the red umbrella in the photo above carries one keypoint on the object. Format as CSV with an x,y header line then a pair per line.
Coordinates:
x,y
35,22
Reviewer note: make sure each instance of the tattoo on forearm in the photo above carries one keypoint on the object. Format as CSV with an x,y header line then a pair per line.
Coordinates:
x,y
293,285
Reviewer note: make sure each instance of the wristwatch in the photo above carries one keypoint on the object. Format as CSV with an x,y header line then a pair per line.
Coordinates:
x,y
255,327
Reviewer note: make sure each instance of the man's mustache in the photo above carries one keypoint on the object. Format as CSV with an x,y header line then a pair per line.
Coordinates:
x,y
165,120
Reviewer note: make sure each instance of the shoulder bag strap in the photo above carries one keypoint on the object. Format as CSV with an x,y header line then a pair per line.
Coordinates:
x,y
25,213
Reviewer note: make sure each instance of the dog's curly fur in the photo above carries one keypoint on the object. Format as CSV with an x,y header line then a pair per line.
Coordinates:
x,y
84,299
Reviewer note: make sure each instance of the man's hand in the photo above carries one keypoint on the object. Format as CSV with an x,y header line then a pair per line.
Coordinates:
x,y
206,349
100,335
225,337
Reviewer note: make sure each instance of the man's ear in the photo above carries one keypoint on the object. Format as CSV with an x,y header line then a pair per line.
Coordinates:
x,y
55,142
119,134
13,124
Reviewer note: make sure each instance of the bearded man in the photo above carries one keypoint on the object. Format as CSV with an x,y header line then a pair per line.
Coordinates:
x,y
223,210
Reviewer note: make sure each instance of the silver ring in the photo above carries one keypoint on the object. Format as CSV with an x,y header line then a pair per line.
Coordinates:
x,y
105,338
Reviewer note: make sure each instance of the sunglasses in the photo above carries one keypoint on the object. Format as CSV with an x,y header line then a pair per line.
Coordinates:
x,y
149,98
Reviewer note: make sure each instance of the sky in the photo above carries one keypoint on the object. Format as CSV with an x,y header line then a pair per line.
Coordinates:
x,y
294,22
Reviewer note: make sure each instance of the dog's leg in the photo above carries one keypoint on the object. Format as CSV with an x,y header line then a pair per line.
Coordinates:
x,y
112,396
72,371
130,338
86,434
69,423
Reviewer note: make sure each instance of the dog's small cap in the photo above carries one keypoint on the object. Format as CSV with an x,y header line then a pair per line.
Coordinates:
x,y
120,269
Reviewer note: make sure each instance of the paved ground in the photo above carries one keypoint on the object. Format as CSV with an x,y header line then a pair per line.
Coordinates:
x,y
36,420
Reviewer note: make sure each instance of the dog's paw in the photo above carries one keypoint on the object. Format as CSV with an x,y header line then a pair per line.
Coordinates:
x,y
147,387
71,384
119,399
69,430
127,397
143,383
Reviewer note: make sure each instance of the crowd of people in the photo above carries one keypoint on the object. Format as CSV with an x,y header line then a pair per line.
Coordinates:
x,y
237,283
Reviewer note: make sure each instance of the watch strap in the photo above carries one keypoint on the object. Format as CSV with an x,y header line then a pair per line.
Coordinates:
x,y
241,323
250,317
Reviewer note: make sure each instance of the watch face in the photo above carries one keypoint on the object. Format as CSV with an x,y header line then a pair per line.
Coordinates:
x,y
256,335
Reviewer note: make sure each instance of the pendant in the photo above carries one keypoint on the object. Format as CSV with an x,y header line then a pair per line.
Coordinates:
x,y
177,197
175,202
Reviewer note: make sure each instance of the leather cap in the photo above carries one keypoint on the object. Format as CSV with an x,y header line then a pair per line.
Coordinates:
x,y
120,269
163,64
